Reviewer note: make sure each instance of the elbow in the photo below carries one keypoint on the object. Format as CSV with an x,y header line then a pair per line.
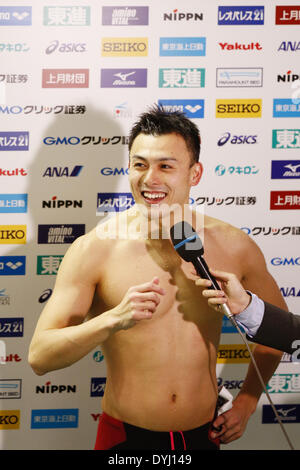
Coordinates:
x,y
35,364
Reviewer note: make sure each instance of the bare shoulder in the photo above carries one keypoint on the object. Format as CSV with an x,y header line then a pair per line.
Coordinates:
x,y
232,238
86,256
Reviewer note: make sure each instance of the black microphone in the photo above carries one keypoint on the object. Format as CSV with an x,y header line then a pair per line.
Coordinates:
x,y
188,245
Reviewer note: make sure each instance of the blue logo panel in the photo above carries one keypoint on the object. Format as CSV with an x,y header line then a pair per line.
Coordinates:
x,y
63,418
241,15
12,265
13,203
286,107
182,46
15,16
191,108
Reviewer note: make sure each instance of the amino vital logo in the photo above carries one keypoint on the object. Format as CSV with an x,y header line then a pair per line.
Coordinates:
x,y
191,108
15,16
238,108
59,233
125,16
124,47
182,46
241,15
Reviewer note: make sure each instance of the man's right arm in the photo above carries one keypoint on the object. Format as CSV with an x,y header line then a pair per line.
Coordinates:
x,y
62,337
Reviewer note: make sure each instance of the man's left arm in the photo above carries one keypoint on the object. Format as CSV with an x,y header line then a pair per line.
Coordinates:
x,y
257,279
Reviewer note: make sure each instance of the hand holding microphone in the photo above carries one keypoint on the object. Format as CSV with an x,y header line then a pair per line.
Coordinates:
x,y
233,294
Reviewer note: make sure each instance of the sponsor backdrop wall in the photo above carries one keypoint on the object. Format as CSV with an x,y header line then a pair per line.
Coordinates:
x,y
73,78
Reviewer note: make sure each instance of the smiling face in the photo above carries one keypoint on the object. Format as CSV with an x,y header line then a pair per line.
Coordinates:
x,y
161,170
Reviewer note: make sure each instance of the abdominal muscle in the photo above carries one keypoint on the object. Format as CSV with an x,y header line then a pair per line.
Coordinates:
x,y
161,381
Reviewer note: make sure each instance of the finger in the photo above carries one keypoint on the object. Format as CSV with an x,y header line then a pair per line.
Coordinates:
x,y
203,282
144,306
142,315
139,297
149,286
222,275
213,293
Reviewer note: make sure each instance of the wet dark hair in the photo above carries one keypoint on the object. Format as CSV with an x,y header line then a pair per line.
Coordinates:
x,y
158,121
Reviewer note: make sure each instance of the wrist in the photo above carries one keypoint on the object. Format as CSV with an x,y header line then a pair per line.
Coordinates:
x,y
247,401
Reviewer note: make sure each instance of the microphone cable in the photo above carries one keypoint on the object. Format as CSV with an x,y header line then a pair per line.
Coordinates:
x,y
230,316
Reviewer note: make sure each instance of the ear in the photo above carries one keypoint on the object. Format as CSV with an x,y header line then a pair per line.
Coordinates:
x,y
196,173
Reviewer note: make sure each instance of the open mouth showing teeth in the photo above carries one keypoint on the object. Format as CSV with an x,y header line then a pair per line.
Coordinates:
x,y
153,196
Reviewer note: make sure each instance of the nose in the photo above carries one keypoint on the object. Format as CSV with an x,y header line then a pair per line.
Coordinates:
x,y
152,177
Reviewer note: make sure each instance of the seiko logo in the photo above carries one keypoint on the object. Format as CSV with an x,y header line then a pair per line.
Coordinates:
x,y
124,47
240,47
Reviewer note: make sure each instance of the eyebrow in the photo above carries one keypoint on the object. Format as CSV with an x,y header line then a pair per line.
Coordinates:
x,y
162,159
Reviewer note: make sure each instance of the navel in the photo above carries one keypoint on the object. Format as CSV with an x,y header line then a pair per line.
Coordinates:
x,y
174,397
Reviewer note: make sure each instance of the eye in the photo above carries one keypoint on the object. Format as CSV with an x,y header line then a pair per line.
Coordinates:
x,y
138,165
165,166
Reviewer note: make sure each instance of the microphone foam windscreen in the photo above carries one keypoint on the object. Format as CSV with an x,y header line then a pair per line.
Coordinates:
x,y
186,241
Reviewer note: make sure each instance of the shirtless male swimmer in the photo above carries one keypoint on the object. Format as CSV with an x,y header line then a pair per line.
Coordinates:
x,y
138,299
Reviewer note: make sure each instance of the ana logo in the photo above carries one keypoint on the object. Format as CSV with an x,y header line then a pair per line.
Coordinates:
x,y
181,78
237,139
287,14
285,107
290,291
114,202
98,386
125,16
175,15
240,15
12,265
67,16
288,46
191,108
13,203
65,78
239,77
288,77
286,138
117,47
251,46
14,141
63,418
60,171
13,234
122,78
238,108
60,233
285,200
182,46
285,169
55,203
15,16
9,419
